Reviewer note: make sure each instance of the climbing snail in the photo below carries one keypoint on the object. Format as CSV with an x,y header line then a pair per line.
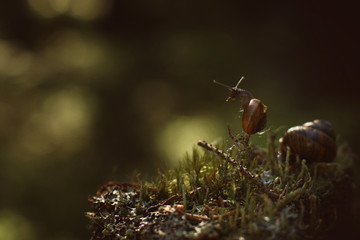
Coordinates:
x,y
254,115
314,141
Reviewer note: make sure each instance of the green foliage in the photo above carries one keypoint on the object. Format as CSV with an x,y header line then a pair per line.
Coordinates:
x,y
246,192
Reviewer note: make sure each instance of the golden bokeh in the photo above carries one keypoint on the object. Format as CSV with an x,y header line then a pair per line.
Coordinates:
x,y
71,49
14,61
62,124
180,135
80,9
14,226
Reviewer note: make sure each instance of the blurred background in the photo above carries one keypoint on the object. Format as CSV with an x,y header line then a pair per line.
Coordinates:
x,y
97,90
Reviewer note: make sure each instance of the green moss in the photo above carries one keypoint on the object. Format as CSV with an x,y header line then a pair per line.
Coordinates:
x,y
243,192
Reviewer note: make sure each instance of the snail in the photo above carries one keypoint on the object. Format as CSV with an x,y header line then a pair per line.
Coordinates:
x,y
314,141
254,115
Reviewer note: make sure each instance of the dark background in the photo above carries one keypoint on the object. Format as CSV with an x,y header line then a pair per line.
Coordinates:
x,y
92,91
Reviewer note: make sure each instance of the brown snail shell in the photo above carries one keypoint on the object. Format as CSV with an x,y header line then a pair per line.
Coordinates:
x,y
254,115
314,141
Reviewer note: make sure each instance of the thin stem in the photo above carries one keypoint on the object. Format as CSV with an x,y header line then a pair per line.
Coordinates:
x,y
271,193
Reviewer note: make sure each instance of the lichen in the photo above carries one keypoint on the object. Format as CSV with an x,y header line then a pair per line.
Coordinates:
x,y
243,192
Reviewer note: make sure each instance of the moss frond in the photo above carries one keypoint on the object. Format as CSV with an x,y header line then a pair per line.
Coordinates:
x,y
245,192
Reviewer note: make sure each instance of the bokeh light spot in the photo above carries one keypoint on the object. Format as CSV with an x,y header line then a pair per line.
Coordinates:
x,y
72,49
81,9
13,61
14,226
181,135
43,8
89,9
62,124
60,6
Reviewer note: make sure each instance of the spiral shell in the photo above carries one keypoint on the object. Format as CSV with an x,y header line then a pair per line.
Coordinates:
x,y
254,117
314,141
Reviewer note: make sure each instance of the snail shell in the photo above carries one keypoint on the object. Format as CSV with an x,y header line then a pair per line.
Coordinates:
x,y
254,115
314,141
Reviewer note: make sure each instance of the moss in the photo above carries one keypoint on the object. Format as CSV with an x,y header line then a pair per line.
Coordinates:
x,y
244,192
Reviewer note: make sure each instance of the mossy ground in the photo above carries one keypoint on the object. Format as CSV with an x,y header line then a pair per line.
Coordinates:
x,y
243,192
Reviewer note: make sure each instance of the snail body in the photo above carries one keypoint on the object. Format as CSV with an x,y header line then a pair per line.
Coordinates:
x,y
254,115
314,141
